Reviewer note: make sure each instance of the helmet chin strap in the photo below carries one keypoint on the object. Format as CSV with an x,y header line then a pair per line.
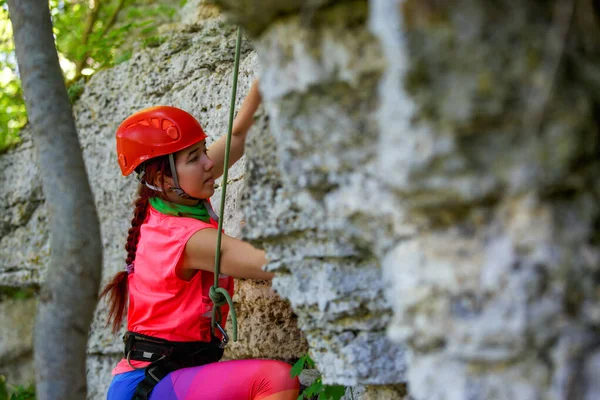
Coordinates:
x,y
140,178
178,191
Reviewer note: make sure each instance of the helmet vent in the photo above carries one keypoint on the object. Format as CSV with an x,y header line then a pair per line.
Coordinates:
x,y
173,132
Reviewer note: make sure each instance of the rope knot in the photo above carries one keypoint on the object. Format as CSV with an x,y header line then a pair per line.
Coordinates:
x,y
217,297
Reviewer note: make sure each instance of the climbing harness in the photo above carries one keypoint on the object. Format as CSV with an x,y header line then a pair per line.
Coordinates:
x,y
167,356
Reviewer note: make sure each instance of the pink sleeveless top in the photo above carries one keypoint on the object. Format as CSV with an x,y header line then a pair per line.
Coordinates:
x,y
160,303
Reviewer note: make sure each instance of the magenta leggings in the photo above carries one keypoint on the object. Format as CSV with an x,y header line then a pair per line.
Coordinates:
x,y
231,380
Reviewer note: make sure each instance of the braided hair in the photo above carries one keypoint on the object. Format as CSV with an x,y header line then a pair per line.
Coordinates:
x,y
117,289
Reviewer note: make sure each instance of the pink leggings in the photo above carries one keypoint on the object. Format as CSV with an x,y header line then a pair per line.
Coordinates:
x,y
237,379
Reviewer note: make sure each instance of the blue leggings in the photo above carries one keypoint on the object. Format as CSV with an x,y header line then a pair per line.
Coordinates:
x,y
231,380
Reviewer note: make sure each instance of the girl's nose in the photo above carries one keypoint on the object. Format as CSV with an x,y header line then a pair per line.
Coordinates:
x,y
208,164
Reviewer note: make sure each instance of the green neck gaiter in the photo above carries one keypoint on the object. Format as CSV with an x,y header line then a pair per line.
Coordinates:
x,y
166,207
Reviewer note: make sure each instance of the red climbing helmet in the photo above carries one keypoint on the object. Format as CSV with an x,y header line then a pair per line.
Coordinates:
x,y
155,132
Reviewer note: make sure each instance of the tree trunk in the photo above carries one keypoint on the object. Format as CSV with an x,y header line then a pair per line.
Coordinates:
x,y
69,294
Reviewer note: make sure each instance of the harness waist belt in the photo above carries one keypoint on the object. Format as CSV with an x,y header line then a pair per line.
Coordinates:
x,y
166,356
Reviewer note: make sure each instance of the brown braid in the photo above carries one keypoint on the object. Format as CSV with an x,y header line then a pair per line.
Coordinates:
x,y
117,289
139,214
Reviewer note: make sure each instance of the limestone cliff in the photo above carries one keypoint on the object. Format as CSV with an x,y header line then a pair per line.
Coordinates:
x,y
445,154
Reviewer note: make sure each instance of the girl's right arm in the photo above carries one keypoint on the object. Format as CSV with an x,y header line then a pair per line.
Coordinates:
x,y
238,258
241,125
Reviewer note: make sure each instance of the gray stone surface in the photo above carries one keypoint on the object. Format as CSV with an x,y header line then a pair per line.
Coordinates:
x,y
99,367
496,169
388,392
16,340
256,17
19,372
24,241
318,82
454,154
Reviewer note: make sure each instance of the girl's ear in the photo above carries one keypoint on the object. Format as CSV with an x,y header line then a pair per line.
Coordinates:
x,y
163,181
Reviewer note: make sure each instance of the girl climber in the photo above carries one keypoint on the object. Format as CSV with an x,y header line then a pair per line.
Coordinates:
x,y
170,349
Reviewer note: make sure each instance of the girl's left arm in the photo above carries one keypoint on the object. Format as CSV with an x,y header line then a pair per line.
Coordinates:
x,y
241,124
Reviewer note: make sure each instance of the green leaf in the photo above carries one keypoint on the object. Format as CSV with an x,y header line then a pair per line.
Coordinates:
x,y
149,29
154,41
23,393
122,57
309,391
298,367
145,23
3,391
315,388
333,392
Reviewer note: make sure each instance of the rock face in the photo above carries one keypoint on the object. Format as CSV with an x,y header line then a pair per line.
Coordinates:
x,y
445,154
193,71
497,168
16,327
318,84
24,240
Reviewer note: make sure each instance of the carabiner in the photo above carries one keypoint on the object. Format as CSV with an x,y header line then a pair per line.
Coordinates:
x,y
225,339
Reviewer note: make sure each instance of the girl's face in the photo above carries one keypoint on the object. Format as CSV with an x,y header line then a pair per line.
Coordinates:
x,y
194,171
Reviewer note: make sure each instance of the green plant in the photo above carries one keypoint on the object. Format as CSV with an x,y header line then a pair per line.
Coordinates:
x,y
317,388
18,392
23,393
18,293
75,90
3,390
153,41
13,116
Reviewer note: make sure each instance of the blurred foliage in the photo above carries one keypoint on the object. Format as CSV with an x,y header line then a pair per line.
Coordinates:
x,y
16,392
90,35
18,293
13,116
